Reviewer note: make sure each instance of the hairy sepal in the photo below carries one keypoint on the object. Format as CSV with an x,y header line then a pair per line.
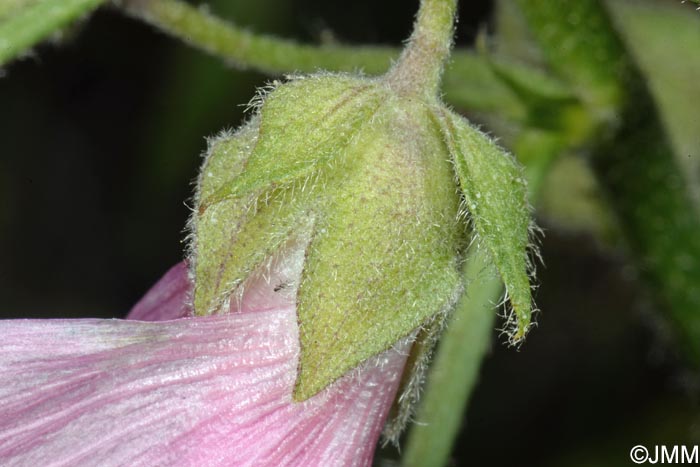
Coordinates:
x,y
384,257
257,187
495,195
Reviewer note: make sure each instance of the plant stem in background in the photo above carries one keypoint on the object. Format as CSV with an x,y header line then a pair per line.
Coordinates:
x,y
633,158
650,31
469,81
245,49
24,27
455,368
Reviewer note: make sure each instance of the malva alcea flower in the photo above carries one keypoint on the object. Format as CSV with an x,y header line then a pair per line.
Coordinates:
x,y
212,391
382,186
328,232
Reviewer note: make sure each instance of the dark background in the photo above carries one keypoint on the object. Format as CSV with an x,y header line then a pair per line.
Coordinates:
x,y
100,136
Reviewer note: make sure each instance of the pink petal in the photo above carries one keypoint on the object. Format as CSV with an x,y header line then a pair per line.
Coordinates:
x,y
167,299
212,391
275,287
204,391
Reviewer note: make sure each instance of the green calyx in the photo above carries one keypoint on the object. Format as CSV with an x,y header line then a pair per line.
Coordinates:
x,y
352,172
379,184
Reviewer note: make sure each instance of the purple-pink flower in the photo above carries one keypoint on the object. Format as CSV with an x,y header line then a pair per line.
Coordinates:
x,y
206,391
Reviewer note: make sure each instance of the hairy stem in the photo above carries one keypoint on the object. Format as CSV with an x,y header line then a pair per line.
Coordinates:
x,y
470,81
419,69
244,49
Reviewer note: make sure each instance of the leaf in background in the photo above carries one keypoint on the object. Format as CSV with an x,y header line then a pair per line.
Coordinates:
x,y
582,49
24,24
513,39
633,158
11,7
572,200
664,40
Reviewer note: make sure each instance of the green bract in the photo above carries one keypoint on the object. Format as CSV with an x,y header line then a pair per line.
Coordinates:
x,y
363,177
495,192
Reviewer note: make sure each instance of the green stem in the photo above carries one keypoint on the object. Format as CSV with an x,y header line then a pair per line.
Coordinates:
x,y
244,49
470,81
35,22
454,370
419,69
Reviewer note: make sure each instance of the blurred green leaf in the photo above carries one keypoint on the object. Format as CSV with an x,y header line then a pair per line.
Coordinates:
x,y
11,7
572,199
579,44
24,24
664,40
513,36
633,157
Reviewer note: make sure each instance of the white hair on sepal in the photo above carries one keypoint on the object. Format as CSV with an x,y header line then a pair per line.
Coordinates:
x,y
261,93
416,369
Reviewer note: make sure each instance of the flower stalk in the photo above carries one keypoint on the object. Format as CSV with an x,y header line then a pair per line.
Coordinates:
x,y
420,67
469,83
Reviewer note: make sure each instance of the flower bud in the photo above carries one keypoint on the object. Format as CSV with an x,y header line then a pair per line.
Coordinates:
x,y
367,178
